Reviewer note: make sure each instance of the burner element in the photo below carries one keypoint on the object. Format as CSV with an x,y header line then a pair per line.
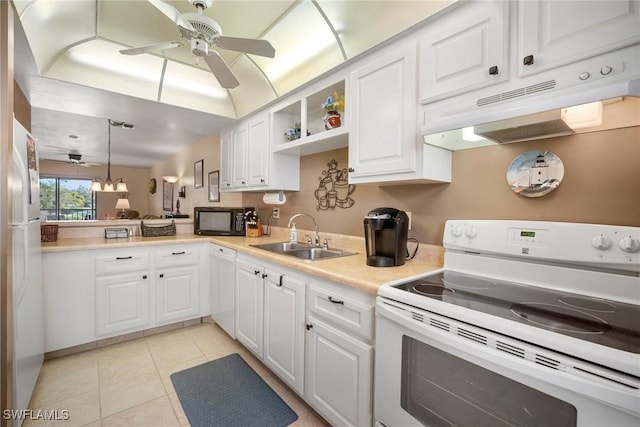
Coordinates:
x,y
559,318
463,281
432,290
586,303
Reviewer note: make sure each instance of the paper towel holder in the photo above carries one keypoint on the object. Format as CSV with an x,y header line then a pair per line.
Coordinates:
x,y
277,198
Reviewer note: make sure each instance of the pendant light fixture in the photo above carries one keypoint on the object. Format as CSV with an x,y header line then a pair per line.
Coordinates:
x,y
121,186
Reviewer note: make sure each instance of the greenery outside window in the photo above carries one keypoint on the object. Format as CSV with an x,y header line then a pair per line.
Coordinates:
x,y
67,199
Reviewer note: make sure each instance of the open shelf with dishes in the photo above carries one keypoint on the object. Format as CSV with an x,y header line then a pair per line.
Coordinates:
x,y
302,127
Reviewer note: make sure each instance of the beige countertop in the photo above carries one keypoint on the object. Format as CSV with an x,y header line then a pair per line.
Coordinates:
x,y
349,270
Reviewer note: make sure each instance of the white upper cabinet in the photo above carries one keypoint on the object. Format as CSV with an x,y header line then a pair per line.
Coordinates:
x,y
239,156
382,137
225,160
556,33
464,50
247,163
258,151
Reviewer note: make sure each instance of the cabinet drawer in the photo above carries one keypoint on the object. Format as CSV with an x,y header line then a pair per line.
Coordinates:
x,y
177,255
343,310
122,262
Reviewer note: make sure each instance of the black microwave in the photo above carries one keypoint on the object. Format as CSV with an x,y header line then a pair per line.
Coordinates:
x,y
208,221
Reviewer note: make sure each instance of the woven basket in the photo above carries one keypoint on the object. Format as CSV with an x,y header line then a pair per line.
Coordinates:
x,y
48,233
158,230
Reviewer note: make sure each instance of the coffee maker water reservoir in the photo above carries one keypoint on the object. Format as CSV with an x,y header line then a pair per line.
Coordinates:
x,y
385,233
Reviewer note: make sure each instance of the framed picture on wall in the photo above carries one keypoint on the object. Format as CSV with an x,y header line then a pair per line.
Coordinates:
x,y
198,174
167,196
214,186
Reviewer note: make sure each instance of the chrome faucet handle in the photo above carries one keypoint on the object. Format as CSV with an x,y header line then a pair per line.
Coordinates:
x,y
308,238
325,244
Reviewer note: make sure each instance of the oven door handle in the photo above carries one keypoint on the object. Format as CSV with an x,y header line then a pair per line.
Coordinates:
x,y
431,330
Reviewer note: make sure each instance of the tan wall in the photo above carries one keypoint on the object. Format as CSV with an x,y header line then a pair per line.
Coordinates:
x,y
136,179
182,165
601,185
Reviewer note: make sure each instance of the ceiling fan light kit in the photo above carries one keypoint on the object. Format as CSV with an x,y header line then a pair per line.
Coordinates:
x,y
201,33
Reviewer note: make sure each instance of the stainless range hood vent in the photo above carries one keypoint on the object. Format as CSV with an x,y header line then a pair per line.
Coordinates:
x,y
535,126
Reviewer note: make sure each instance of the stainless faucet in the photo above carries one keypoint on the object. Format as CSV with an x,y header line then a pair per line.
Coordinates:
x,y
317,237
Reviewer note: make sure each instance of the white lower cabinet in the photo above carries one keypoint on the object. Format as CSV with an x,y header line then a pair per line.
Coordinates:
x,y
122,303
315,335
284,327
122,296
270,317
177,294
249,304
177,279
104,293
339,353
339,375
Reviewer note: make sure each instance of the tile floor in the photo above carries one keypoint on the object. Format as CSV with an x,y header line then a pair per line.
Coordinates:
x,y
128,384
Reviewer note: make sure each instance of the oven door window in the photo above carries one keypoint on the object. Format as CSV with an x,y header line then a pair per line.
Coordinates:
x,y
440,389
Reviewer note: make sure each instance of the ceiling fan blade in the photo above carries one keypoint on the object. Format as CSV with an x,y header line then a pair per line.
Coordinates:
x,y
253,46
173,14
221,70
152,47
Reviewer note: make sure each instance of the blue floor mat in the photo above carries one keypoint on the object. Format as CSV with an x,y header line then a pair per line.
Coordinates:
x,y
227,392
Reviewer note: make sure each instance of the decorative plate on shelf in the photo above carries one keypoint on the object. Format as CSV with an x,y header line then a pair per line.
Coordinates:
x,y
535,173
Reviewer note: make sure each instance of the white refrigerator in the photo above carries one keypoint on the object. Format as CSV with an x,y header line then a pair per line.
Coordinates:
x,y
28,318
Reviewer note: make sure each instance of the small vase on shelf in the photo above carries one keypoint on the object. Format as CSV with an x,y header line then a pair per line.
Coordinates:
x,y
332,120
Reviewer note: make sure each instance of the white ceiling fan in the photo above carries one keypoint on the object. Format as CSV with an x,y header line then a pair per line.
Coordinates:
x,y
201,32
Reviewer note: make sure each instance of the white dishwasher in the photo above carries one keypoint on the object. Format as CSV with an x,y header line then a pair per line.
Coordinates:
x,y
223,287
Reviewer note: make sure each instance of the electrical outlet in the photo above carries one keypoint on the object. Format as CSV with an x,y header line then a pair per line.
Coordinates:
x,y
409,215
276,213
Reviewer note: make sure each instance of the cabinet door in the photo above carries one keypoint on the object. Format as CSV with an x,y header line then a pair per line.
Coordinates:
x,y
226,166
223,288
383,106
239,157
338,375
249,305
284,316
177,294
555,33
464,50
122,303
258,151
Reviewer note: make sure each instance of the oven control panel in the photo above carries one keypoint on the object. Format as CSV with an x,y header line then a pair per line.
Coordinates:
x,y
609,246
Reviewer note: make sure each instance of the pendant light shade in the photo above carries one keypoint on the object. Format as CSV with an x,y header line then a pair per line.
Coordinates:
x,y
95,185
108,187
121,187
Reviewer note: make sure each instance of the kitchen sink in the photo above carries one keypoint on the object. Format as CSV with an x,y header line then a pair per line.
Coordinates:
x,y
302,251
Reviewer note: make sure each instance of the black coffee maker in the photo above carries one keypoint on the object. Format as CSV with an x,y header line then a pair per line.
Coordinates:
x,y
385,234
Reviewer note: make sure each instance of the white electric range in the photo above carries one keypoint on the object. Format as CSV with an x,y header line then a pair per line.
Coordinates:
x,y
528,323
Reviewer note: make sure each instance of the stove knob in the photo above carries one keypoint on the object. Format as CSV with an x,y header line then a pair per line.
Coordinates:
x,y
601,242
456,230
471,232
629,244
